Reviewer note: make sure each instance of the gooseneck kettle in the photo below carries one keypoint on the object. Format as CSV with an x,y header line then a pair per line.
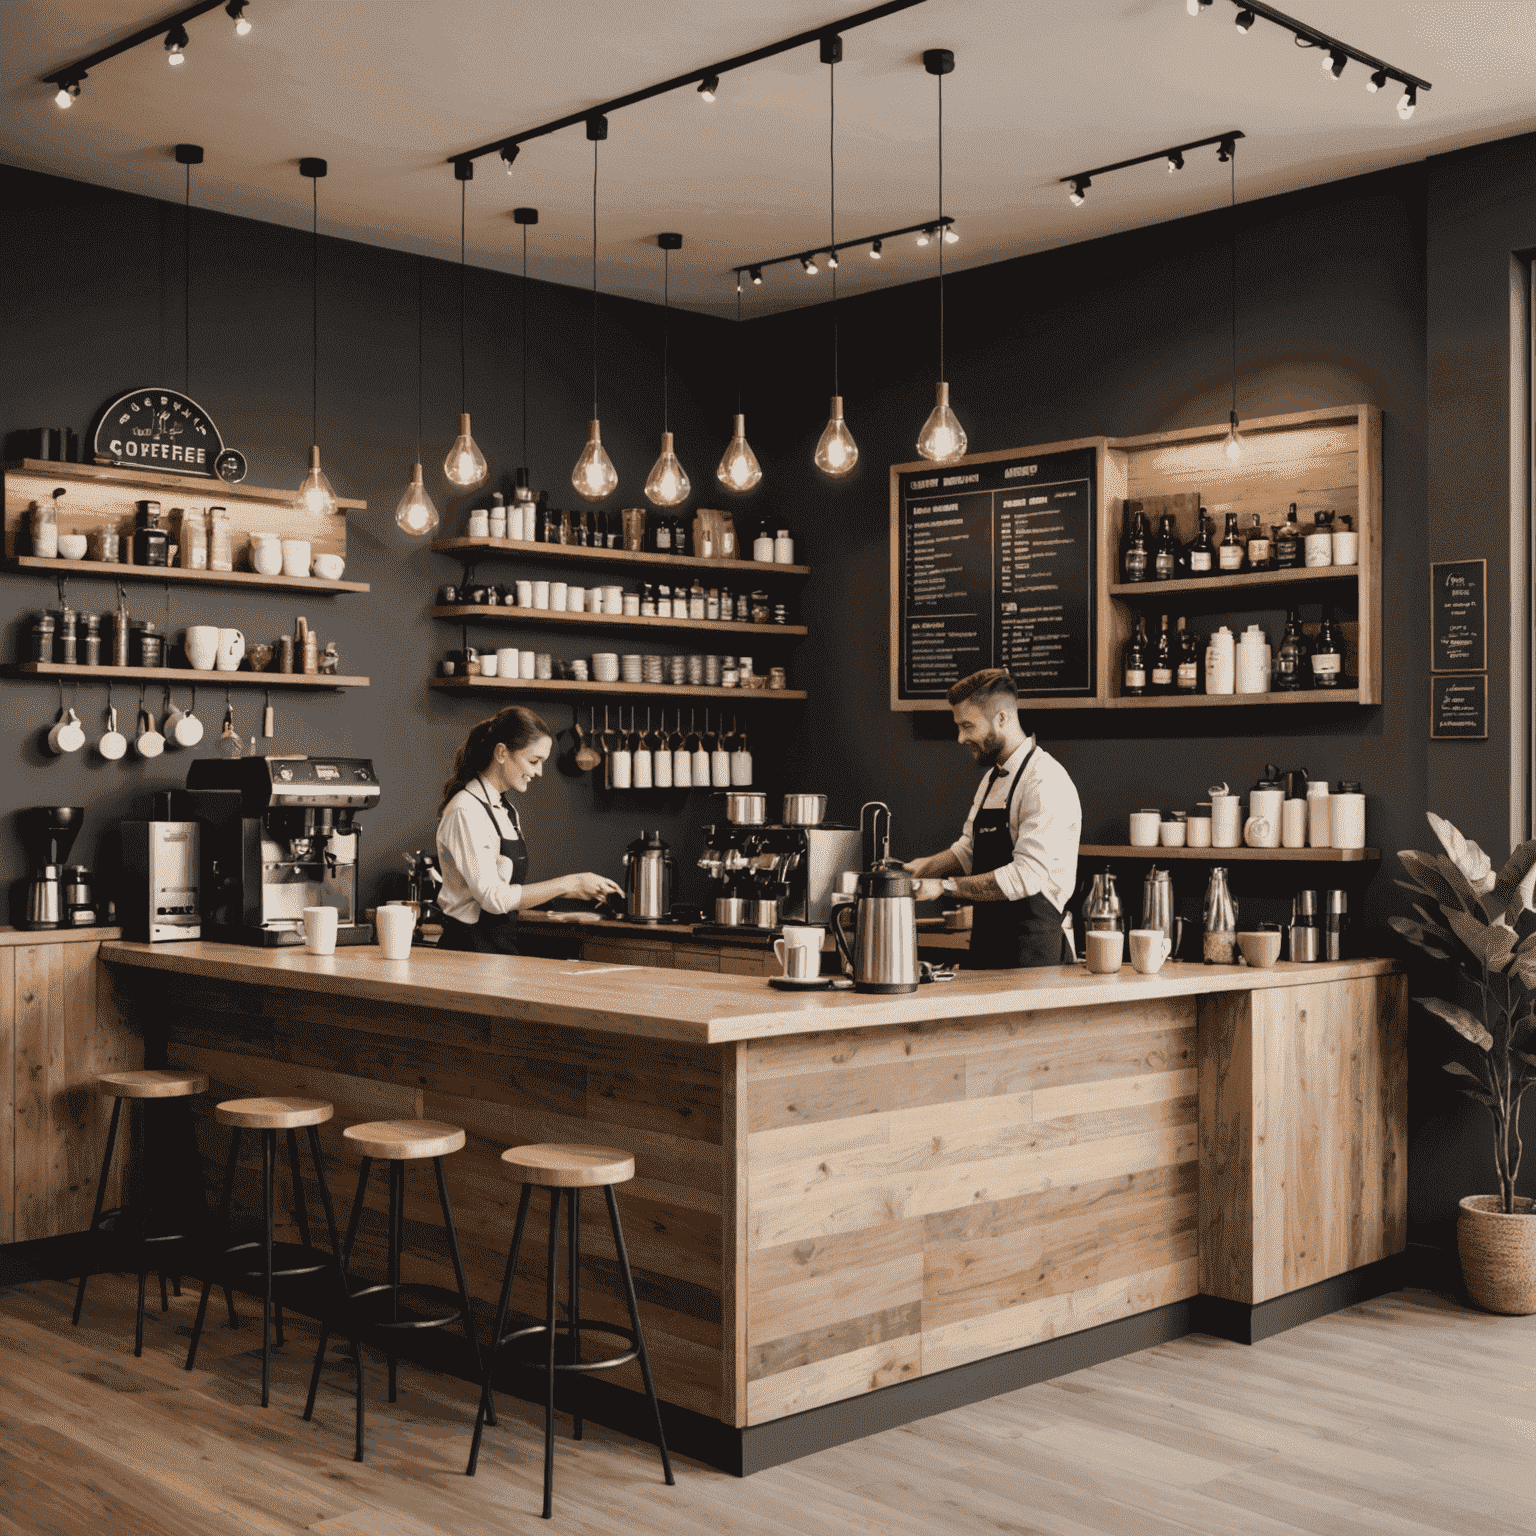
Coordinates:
x,y
882,956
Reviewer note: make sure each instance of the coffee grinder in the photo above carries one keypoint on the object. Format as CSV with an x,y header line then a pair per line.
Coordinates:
x,y
48,832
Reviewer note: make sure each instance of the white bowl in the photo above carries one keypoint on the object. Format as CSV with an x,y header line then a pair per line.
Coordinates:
x,y
327,567
72,546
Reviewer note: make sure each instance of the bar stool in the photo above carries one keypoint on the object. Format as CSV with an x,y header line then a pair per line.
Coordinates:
x,y
572,1169
133,1219
278,1261
376,1309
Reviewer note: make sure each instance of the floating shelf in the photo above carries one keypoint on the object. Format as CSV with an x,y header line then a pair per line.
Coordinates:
x,y
106,570
189,675
1232,855
1243,581
478,612
579,554
611,690
195,487
1229,700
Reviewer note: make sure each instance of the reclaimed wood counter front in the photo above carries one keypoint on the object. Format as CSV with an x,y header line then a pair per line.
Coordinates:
x,y
837,1192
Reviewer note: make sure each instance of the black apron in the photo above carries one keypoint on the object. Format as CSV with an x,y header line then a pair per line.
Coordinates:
x,y
496,932
1009,935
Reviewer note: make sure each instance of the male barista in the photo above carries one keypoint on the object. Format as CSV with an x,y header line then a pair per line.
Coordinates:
x,y
1020,839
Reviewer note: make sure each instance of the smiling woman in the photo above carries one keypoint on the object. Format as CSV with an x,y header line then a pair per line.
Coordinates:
x,y
480,845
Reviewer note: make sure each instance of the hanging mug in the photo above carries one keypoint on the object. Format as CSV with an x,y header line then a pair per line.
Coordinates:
x,y
112,744
182,727
149,743
66,734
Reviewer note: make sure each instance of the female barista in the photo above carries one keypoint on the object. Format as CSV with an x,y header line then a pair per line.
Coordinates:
x,y
480,847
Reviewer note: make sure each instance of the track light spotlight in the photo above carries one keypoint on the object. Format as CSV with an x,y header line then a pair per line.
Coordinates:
x,y
509,153
1079,188
68,90
1334,61
1175,160
235,10
176,41
925,235
1243,20
809,263
951,234
1377,81
756,274
1407,102
1225,150
832,260
875,250
1195,7
708,86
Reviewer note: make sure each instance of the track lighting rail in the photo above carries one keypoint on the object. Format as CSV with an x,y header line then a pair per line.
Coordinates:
x,y
694,77
1081,178
73,74
930,226
1310,37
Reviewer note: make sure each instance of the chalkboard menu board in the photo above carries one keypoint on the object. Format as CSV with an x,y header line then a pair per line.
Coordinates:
x,y
1458,708
1458,596
995,565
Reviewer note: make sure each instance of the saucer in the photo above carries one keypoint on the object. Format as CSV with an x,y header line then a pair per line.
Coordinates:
x,y
800,983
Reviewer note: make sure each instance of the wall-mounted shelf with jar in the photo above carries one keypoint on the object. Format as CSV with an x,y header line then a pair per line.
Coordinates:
x,y
178,675
618,690
1156,855
580,554
475,613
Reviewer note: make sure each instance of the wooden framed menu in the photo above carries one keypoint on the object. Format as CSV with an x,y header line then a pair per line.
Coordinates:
x,y
995,563
1458,707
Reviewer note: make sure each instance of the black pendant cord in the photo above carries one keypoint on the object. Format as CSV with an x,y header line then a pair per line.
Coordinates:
x,y
421,263
186,289
314,310
594,280
666,328
832,206
1233,242
463,366
739,369
942,227
525,346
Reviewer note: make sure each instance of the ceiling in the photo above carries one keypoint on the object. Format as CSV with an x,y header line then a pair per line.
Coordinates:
x,y
386,90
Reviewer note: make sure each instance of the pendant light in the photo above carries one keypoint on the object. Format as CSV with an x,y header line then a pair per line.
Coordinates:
x,y
836,451
315,494
739,469
667,484
1233,446
415,512
465,465
942,437
594,477
523,492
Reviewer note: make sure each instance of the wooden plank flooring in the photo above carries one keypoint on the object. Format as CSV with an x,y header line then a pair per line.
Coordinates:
x,y
1406,1416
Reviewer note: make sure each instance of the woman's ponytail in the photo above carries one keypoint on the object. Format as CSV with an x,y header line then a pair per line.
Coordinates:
x,y
514,728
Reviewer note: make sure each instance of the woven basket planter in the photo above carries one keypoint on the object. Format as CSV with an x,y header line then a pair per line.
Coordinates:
x,y
1498,1253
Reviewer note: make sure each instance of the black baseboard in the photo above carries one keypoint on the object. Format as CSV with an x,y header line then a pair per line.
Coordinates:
x,y
760,1446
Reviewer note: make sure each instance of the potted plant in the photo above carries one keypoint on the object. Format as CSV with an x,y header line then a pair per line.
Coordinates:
x,y
1487,928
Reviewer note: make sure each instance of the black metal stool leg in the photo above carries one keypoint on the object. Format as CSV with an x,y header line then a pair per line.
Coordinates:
x,y
318,1157
500,1325
573,1304
458,1275
396,1237
138,1326
268,1171
223,1237
634,1318
325,1330
300,1204
551,1290
101,1195
165,1301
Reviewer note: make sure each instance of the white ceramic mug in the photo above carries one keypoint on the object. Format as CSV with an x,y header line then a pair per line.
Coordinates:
x,y
266,554
506,661
1268,805
1226,821
1149,948
1199,832
1106,949
1145,826
799,951
231,650
1173,833
296,554
394,926
203,646
1258,833
66,734
112,745
149,742
490,663
327,567
320,930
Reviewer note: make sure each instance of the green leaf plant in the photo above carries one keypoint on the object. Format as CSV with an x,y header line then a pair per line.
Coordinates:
x,y
1485,925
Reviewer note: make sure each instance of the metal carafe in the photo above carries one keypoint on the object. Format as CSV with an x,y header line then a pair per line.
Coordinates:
x,y
648,868
1220,920
1101,911
1157,907
45,898
883,953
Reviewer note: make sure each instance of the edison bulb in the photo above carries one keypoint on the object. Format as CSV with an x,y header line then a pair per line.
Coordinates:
x,y
315,494
414,512
667,484
836,451
1233,446
594,476
465,464
63,100
942,437
739,469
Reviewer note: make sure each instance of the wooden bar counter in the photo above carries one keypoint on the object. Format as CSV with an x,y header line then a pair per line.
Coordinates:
x,y
835,1193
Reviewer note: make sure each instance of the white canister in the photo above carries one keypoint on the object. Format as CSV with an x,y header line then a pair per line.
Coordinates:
x,y
1319,814
575,599
1221,667
1252,661
480,523
1319,547
506,661
1293,824
490,663
541,594
783,548
527,661
620,766
1348,812
1267,805
557,594
762,548
498,522
525,594
1226,820
613,600
682,768
720,768
661,768
1346,547
631,605
1145,826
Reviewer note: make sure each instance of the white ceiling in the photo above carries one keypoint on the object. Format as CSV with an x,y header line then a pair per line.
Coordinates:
x,y
387,89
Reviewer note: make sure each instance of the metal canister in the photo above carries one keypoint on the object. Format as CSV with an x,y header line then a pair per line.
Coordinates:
x,y
90,639
285,653
40,638
148,649
122,631
69,645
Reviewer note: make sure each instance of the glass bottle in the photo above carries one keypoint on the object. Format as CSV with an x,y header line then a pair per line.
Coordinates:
x,y
1230,554
1134,668
696,599
45,530
1138,557
1288,543
663,537
1202,553
1319,540
1165,551
1191,649
1164,660
151,543
1258,546
1291,659
1328,655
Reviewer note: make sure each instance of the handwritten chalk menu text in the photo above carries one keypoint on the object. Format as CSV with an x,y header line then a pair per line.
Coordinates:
x,y
1459,615
996,568
1458,708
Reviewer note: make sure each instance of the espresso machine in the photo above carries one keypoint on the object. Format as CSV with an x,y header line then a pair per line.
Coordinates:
x,y
762,877
279,834
48,833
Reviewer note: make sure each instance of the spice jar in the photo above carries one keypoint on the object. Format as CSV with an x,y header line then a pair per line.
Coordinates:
x,y
121,633
69,648
776,678
90,639
40,638
104,545
148,648
45,531
760,611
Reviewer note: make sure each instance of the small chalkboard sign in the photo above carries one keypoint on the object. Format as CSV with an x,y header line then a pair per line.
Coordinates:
x,y
1458,708
1458,607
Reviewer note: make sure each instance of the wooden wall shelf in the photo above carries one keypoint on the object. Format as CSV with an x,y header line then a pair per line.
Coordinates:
x,y
104,570
1245,582
577,554
474,613
612,690
1232,855
197,488
1232,700
187,675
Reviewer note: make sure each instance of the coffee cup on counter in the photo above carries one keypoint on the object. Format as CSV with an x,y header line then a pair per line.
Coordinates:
x,y
1260,949
1145,826
799,951
394,924
1105,949
320,930
1149,948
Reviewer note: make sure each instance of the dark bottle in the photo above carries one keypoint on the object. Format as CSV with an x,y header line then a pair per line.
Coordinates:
x,y
1165,660
1165,550
663,535
1229,556
1328,655
583,531
1134,671
1191,652
1288,548
540,534
1291,659
1258,546
1125,538
1202,553
151,543
1138,557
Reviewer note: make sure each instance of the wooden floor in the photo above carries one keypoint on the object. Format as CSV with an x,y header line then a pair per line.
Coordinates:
x,y
1406,1415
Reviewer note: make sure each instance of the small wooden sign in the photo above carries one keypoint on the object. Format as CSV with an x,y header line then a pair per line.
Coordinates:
x,y
1458,610
1458,708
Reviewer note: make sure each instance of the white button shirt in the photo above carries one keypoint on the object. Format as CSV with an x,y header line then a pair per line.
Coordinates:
x,y
476,878
1046,823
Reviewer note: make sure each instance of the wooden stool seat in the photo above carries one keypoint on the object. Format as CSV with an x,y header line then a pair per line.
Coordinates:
x,y
399,1140
151,1085
558,1165
280,1112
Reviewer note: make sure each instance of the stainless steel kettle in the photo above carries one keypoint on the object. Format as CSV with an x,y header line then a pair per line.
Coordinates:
x,y
882,956
1102,911
648,866
1157,907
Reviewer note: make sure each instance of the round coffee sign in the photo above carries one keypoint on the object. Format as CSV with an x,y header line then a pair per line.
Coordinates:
x,y
158,429
230,466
